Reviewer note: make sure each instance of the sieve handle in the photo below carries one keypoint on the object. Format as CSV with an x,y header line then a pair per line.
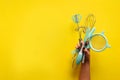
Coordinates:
x,y
83,59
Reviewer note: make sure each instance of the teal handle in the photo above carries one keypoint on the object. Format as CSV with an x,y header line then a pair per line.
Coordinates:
x,y
91,32
79,58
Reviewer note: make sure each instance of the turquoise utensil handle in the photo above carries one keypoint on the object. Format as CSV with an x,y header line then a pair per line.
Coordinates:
x,y
79,57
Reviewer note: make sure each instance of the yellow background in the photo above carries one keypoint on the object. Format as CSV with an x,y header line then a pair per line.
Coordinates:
x,y
37,37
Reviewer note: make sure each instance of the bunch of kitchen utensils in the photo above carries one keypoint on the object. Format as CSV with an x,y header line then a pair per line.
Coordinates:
x,y
96,41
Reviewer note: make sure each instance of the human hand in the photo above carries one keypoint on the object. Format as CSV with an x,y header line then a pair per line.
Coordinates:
x,y
85,67
85,51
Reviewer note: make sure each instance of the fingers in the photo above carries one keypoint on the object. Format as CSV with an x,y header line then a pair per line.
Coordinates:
x,y
80,44
86,51
77,46
87,55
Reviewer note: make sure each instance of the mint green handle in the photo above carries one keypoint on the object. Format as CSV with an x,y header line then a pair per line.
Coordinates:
x,y
79,58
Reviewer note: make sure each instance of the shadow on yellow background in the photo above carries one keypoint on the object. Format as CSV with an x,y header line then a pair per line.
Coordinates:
x,y
37,37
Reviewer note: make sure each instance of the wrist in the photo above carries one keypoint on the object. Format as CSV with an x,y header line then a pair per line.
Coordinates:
x,y
86,63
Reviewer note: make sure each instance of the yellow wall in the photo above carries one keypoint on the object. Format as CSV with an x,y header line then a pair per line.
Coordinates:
x,y
37,37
